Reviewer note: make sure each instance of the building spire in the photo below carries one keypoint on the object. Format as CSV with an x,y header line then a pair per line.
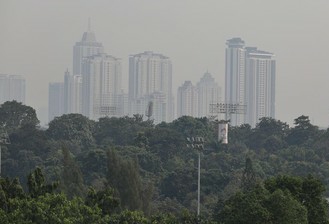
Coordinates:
x,y
89,24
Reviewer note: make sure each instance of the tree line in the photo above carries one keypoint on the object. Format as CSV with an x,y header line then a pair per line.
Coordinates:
x,y
128,168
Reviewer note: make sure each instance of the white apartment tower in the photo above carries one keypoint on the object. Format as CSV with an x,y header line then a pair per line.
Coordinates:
x,y
101,86
55,100
260,70
88,46
187,100
235,77
208,93
150,79
12,87
249,81
72,93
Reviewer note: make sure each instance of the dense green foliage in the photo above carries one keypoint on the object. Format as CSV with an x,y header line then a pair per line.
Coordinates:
x,y
118,170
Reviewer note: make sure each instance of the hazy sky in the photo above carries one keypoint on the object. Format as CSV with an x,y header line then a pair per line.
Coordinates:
x,y
37,38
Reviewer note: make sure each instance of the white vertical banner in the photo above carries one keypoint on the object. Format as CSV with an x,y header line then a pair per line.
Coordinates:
x,y
223,133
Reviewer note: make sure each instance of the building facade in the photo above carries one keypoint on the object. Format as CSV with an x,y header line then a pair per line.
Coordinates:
x,y
72,93
260,83
150,79
187,100
235,77
55,100
101,86
12,87
88,46
209,92
249,81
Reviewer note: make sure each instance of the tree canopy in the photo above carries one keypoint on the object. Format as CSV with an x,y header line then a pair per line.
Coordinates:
x,y
122,169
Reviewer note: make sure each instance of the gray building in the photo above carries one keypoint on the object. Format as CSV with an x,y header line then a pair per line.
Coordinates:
x,y
235,77
88,46
209,92
72,93
260,85
150,79
187,100
250,81
55,100
12,87
101,86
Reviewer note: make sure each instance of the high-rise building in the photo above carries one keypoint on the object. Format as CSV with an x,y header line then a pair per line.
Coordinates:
x,y
209,92
55,100
12,87
72,93
249,81
150,79
235,77
88,46
260,85
101,86
187,100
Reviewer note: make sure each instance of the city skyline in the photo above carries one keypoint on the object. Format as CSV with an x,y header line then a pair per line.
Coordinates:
x,y
37,38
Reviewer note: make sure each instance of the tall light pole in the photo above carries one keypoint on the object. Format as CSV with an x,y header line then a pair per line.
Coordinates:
x,y
198,144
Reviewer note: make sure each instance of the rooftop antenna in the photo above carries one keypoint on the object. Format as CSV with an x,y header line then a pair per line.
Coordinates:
x,y
89,24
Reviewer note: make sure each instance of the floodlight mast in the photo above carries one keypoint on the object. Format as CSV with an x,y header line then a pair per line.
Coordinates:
x,y
228,109
198,144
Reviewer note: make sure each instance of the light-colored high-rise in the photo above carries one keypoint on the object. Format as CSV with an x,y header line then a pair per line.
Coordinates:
x,y
55,100
72,93
249,81
187,100
12,87
209,92
101,86
260,84
235,77
150,79
88,46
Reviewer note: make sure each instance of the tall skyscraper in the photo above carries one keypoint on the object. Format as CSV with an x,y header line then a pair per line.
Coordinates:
x,y
150,79
209,92
249,81
187,100
260,83
72,93
235,77
101,86
88,46
12,87
55,100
